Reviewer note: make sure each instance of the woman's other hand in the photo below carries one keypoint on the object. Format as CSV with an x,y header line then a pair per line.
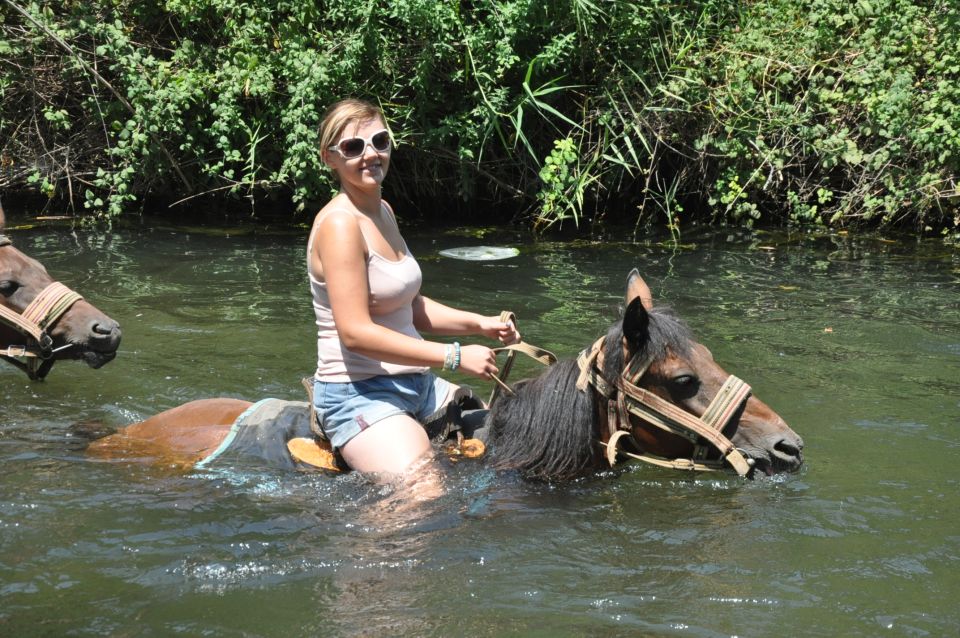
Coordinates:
x,y
504,332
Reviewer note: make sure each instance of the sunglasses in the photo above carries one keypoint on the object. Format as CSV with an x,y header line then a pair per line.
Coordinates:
x,y
354,147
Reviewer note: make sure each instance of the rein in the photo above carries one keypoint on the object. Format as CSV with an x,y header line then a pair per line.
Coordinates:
x,y
33,323
540,355
625,398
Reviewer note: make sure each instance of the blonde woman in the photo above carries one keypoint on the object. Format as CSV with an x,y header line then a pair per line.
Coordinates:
x,y
373,386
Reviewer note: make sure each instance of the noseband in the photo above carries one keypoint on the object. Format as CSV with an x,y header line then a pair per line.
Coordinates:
x,y
48,306
624,399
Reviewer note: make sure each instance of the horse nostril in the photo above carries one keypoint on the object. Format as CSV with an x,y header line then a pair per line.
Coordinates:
x,y
104,328
787,448
106,334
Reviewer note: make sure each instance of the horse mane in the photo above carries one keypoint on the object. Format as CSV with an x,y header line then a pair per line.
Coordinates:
x,y
548,429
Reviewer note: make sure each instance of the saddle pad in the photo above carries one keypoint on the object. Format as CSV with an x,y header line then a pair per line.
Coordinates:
x,y
277,434
259,436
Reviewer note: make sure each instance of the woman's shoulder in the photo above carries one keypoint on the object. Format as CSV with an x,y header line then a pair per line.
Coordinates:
x,y
337,229
336,214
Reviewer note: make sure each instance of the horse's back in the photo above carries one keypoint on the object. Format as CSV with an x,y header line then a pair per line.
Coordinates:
x,y
179,436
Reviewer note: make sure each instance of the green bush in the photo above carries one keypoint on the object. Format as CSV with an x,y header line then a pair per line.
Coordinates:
x,y
822,112
835,112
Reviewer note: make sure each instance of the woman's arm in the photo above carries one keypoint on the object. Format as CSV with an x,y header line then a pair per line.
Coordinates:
x,y
432,316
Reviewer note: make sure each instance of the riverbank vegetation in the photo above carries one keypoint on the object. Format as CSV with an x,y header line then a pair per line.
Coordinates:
x,y
832,113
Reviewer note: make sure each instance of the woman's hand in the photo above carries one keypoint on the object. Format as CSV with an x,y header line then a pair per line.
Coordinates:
x,y
505,333
479,361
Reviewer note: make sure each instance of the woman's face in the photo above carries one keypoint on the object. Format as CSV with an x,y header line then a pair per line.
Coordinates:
x,y
370,167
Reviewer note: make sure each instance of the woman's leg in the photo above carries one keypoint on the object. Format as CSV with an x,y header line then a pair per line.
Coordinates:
x,y
396,450
390,446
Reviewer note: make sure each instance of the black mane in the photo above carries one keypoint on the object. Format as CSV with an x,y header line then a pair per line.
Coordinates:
x,y
548,430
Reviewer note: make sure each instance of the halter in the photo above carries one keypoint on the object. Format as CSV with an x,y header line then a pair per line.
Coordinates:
x,y
625,398
48,306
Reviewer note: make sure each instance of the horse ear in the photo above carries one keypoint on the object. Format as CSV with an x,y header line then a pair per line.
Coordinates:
x,y
636,323
637,289
3,219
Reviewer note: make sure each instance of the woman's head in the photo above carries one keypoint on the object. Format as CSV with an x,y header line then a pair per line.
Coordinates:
x,y
348,119
342,114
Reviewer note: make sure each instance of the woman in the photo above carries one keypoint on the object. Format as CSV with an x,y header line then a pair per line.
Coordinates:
x,y
373,384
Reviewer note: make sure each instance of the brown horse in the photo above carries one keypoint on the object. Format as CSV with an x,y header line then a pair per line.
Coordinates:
x,y
556,426
42,321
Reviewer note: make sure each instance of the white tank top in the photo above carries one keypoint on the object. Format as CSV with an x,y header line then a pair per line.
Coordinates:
x,y
393,286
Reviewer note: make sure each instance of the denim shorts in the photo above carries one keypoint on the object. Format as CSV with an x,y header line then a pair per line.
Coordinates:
x,y
347,409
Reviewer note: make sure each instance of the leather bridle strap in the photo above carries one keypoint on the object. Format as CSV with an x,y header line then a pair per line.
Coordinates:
x,y
33,323
624,397
50,304
666,416
538,354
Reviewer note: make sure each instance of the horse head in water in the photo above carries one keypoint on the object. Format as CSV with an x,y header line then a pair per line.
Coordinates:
x,y
646,390
43,321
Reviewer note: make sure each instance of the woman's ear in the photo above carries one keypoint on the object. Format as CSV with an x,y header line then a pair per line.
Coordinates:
x,y
327,158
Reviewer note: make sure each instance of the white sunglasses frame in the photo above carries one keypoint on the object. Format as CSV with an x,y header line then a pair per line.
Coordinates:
x,y
367,141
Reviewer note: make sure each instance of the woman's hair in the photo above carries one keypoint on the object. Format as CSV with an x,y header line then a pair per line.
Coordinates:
x,y
342,113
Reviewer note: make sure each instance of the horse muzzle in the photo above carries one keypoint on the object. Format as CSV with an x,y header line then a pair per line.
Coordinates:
x,y
98,345
779,453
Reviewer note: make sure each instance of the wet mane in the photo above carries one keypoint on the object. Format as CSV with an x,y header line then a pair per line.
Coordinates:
x,y
547,430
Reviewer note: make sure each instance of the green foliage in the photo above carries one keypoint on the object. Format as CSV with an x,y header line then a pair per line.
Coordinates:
x,y
836,112
564,183
812,112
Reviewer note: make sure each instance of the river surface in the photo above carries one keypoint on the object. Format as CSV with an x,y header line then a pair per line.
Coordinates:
x,y
855,342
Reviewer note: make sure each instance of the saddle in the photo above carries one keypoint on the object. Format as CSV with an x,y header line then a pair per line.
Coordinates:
x,y
458,429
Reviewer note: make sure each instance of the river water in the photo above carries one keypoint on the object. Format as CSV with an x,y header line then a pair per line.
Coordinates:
x,y
855,342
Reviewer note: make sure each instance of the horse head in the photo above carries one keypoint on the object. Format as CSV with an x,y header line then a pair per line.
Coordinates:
x,y
43,321
668,367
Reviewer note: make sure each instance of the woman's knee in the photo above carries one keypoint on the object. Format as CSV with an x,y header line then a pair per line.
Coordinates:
x,y
389,446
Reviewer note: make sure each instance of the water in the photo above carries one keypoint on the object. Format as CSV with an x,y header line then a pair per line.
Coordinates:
x,y
856,343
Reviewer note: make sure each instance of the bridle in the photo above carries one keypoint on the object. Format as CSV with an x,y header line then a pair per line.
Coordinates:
x,y
625,399
33,323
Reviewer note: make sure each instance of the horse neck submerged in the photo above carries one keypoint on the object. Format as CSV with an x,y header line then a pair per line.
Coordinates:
x,y
547,429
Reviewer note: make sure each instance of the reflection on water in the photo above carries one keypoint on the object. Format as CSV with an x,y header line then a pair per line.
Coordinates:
x,y
855,342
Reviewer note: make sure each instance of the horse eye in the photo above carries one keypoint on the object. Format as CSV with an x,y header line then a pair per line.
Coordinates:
x,y
7,288
685,380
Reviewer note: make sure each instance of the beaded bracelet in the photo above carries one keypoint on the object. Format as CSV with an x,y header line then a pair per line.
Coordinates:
x,y
456,356
447,356
451,356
